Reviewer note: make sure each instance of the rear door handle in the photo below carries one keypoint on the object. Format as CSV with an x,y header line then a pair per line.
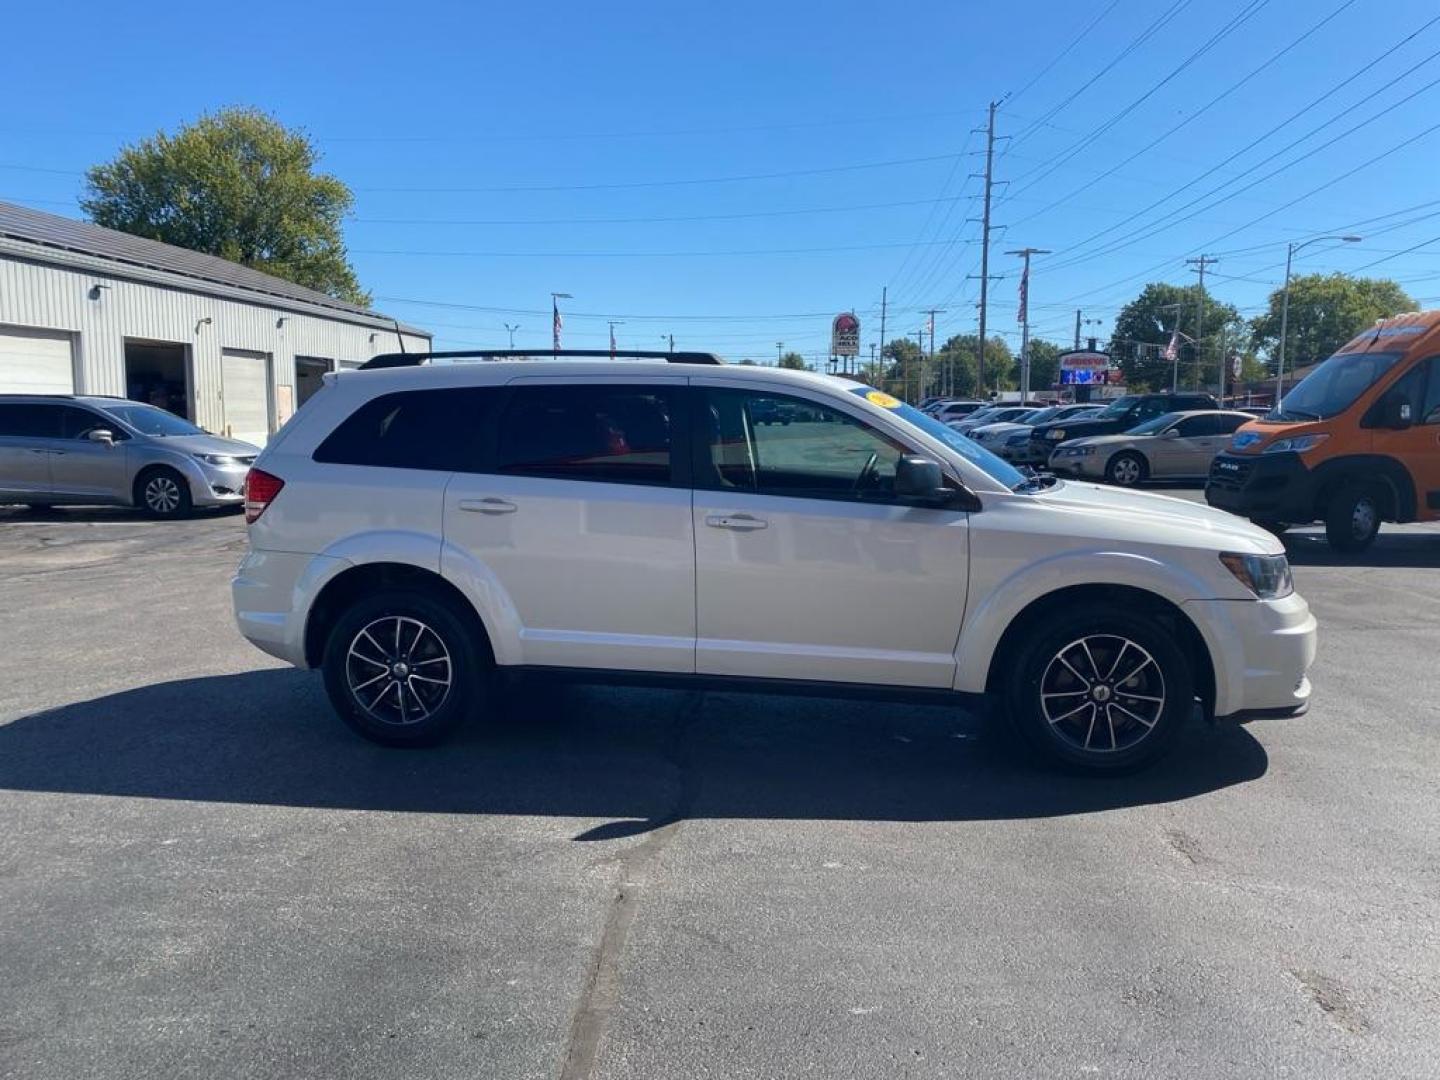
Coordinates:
x,y
488,505
736,522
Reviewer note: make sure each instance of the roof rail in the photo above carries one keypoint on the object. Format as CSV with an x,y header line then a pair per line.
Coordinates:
x,y
391,360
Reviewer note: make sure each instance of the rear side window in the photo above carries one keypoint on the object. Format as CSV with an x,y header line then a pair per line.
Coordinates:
x,y
1195,426
30,421
608,433
1430,410
415,429
1230,424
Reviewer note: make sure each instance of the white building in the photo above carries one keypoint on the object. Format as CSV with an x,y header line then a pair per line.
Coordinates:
x,y
88,310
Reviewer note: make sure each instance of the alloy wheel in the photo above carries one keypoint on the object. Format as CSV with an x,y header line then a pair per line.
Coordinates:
x,y
1126,471
399,670
162,495
1102,693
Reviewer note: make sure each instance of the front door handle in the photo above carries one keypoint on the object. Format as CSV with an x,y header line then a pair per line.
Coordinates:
x,y
736,522
488,505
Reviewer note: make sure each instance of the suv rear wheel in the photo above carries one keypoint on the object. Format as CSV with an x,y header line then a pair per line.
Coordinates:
x,y
1352,517
1104,690
402,669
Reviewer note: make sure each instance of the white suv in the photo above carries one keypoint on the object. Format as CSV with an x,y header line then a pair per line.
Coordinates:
x,y
415,528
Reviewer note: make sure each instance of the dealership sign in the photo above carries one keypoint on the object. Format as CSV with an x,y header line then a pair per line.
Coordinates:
x,y
845,335
1082,366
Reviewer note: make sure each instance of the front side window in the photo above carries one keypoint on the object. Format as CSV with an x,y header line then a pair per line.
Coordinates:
x,y
821,453
76,423
1117,408
1194,427
606,433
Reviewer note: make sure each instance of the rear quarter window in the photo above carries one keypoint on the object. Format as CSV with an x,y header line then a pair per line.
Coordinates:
x,y
440,429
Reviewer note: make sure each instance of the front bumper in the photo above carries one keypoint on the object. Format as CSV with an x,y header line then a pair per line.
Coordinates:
x,y
1090,466
1261,650
216,485
1264,487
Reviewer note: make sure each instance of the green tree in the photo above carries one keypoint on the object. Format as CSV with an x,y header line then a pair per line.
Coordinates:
x,y
794,361
1044,365
957,363
1326,310
237,184
1144,326
902,367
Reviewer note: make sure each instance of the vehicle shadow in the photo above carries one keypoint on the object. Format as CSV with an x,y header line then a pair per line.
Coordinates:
x,y
103,514
636,759
1390,549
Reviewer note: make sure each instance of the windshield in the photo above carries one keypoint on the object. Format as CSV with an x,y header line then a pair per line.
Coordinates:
x,y
149,420
1118,407
1333,386
1154,427
970,450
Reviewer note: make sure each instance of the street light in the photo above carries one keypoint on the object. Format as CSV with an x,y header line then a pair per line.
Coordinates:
x,y
1290,250
511,330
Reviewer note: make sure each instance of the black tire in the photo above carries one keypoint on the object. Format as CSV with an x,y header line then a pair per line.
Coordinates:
x,y
1352,517
350,659
162,493
1126,469
1161,669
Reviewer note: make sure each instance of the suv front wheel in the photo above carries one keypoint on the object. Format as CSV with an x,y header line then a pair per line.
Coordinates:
x,y
402,669
1104,690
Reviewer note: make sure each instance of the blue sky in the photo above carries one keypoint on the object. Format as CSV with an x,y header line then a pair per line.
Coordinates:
x,y
731,173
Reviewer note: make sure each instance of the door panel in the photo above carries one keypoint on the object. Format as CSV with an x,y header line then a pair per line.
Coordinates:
x,y
80,468
805,569
1418,446
25,432
582,518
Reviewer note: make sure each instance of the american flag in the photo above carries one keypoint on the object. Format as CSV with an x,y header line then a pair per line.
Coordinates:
x,y
559,325
1023,314
1172,349
612,343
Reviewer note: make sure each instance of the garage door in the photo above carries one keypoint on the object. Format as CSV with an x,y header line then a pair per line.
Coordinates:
x,y
36,361
245,395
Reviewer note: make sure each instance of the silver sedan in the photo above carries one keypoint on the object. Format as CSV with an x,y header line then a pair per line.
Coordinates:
x,y
1176,446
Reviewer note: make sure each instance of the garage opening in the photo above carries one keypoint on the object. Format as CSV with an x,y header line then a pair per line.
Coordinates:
x,y
308,370
158,373
36,361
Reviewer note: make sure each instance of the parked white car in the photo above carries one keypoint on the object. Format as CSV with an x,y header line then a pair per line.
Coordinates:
x,y
413,531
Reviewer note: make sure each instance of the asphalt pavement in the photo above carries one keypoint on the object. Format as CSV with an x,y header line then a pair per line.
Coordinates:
x,y
202,873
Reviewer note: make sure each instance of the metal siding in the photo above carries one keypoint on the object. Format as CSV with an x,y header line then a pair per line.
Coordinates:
x,y
54,298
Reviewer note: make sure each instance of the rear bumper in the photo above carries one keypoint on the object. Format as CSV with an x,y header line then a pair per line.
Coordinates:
x,y
272,592
1265,487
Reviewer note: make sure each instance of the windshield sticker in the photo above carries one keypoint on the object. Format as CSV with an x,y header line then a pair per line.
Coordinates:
x,y
884,400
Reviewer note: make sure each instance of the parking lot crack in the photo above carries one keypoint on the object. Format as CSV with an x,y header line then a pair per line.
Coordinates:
x,y
603,980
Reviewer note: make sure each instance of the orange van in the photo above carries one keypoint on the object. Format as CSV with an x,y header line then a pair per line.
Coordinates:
x,y
1357,442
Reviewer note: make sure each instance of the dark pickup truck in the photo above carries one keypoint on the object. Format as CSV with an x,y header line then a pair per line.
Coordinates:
x,y
1122,414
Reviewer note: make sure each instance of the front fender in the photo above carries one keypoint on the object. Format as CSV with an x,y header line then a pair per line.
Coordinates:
x,y
1023,584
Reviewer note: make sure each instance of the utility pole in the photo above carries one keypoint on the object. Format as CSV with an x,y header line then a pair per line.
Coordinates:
x,y
1083,322
670,338
779,350
932,312
920,388
1200,264
872,360
1025,254
884,299
985,236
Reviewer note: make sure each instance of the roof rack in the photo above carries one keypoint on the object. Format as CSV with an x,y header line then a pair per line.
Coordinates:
x,y
392,360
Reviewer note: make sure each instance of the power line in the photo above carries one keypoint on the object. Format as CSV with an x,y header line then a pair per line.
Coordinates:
x,y
629,254
665,183
1074,41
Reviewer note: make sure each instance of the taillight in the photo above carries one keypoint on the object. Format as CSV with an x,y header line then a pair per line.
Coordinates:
x,y
260,489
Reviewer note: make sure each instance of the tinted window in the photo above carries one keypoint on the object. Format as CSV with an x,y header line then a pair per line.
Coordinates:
x,y
416,429
1429,411
816,452
30,421
607,433
1195,426
1231,422
78,423
1151,407
1185,404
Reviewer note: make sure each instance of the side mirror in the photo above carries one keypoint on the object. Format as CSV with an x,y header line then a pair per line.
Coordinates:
x,y
101,435
920,480
1170,433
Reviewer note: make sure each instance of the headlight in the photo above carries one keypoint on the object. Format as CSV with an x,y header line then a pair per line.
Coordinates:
x,y
1018,440
1296,443
1055,435
1075,451
218,459
1267,576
